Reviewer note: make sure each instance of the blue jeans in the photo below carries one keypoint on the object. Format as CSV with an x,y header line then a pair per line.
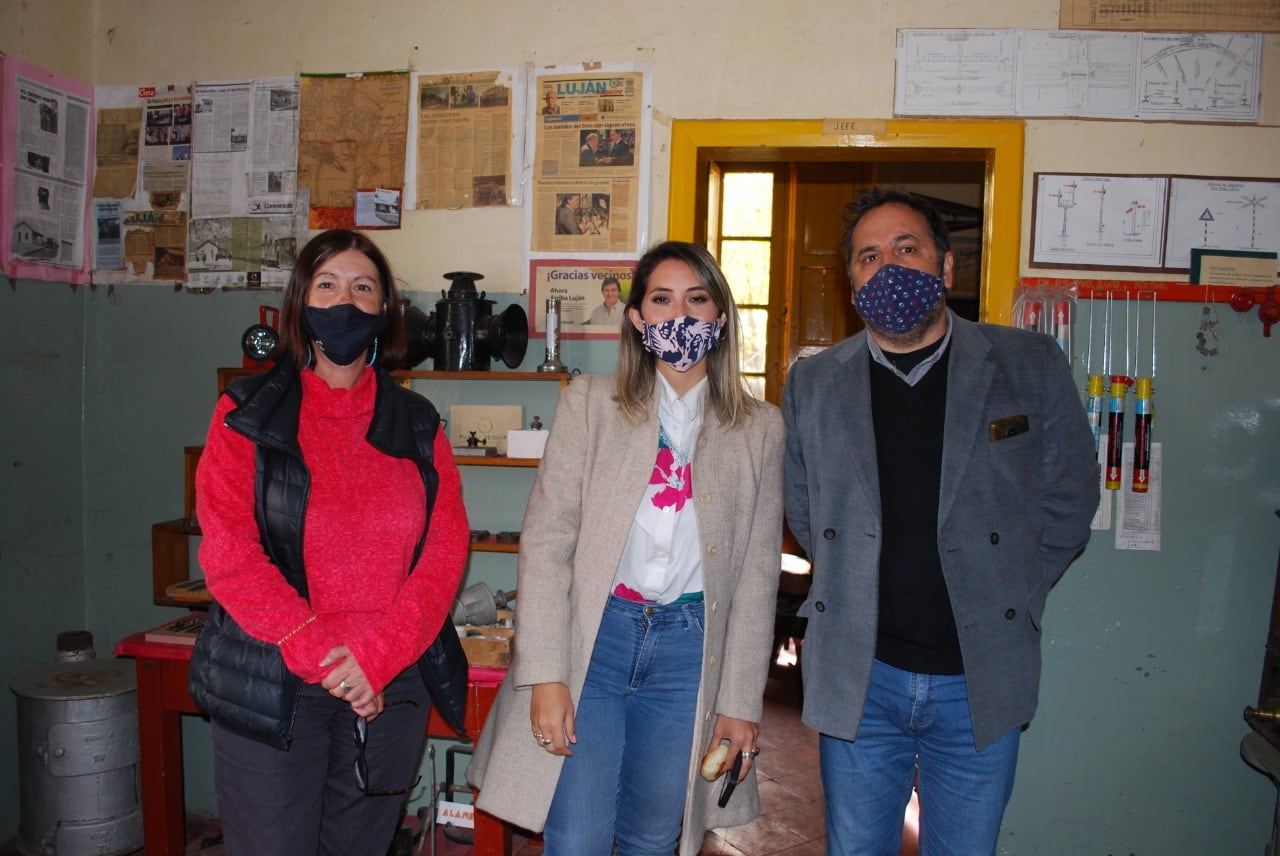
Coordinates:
x,y
628,775
914,723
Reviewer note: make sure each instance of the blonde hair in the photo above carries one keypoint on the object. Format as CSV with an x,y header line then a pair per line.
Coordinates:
x,y
728,394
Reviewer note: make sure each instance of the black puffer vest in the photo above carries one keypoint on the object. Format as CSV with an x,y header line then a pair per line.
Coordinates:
x,y
229,677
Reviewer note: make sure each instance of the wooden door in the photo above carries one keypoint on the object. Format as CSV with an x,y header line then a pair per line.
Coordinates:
x,y
820,312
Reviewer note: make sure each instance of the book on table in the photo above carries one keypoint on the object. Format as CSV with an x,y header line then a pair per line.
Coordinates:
x,y
193,591
178,631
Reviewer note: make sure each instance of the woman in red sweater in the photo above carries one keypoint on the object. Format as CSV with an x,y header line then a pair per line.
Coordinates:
x,y
334,541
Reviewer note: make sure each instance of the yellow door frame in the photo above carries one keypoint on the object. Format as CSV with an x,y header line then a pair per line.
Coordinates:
x,y
997,143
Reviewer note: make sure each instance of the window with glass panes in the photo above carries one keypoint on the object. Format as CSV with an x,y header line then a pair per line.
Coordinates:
x,y
745,249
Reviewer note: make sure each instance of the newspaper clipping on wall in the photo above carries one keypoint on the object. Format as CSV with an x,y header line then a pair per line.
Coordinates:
x,y
592,294
50,174
243,231
463,143
141,185
588,151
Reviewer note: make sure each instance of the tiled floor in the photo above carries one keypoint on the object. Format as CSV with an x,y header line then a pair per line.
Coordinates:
x,y
790,820
791,806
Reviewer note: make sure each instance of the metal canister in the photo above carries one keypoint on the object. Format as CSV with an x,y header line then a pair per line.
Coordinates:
x,y
552,363
75,646
78,759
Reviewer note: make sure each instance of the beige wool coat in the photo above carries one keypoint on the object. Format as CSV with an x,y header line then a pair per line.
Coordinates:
x,y
588,487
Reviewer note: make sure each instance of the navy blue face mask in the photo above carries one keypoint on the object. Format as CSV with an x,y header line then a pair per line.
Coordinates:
x,y
897,298
343,332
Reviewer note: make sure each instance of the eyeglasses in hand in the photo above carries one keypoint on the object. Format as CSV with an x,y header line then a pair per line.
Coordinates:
x,y
361,735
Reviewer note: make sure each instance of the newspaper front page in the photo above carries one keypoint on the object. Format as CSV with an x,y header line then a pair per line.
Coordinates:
x,y
50,175
244,231
142,185
588,149
463,145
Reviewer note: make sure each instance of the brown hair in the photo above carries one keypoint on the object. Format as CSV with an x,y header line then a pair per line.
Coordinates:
x,y
729,396
294,342
875,197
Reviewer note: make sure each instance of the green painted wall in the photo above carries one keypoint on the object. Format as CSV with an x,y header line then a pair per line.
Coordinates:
x,y
1149,657
104,388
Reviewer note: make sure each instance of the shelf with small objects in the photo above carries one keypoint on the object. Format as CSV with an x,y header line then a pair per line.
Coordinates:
x,y
171,566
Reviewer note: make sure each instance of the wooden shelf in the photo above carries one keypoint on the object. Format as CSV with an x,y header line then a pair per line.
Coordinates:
x,y
495,461
230,373
493,545
170,558
495,374
170,539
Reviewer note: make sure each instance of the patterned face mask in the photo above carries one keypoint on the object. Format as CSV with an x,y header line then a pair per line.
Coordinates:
x,y
896,298
681,342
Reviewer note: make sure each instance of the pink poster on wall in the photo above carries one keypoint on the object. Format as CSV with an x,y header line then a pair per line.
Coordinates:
x,y
46,153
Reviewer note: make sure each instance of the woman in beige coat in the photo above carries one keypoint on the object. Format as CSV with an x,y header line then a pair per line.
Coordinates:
x,y
648,574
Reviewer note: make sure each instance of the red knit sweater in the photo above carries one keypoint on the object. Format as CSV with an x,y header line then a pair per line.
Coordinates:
x,y
364,514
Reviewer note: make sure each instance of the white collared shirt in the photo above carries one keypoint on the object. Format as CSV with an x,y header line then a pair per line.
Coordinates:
x,y
912,377
663,558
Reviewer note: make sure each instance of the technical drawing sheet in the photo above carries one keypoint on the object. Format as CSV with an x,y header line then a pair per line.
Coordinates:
x,y
955,72
1181,77
1077,73
1083,220
1201,77
1221,214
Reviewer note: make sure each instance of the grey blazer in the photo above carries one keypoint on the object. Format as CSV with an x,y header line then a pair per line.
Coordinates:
x,y
1012,515
591,480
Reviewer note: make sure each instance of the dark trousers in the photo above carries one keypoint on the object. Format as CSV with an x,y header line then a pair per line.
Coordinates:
x,y
305,800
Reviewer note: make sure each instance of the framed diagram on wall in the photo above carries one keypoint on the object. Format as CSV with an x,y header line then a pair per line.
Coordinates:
x,y
1098,221
1234,214
1148,222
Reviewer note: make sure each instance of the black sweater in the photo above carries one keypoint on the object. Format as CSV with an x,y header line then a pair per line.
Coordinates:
x,y
916,630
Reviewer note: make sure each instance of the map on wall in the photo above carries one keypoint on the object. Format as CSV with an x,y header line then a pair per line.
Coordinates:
x,y
352,132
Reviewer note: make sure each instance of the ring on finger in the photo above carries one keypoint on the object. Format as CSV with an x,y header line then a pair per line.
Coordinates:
x,y
545,741
345,687
748,754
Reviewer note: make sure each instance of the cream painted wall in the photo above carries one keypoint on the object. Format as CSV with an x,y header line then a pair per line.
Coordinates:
x,y
59,32
1145,148
759,59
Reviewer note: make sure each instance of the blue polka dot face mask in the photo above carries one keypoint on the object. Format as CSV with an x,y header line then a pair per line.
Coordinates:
x,y
896,298
681,342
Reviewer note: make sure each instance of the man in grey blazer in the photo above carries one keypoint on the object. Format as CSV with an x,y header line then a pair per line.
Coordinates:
x,y
941,476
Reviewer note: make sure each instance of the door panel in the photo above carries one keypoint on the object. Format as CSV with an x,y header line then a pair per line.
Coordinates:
x,y
818,286
820,296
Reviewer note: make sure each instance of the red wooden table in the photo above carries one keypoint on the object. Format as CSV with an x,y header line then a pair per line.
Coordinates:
x,y
163,698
